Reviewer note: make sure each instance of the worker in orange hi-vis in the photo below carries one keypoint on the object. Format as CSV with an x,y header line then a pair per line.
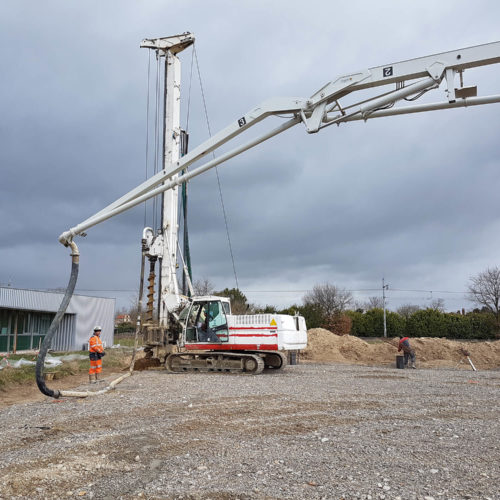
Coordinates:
x,y
96,352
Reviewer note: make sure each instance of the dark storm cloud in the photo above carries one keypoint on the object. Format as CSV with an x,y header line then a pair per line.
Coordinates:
x,y
412,197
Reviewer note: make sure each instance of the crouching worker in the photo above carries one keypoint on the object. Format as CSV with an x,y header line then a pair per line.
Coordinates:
x,y
96,352
409,353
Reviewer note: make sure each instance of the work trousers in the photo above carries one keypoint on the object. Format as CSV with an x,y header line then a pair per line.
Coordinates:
x,y
95,366
409,356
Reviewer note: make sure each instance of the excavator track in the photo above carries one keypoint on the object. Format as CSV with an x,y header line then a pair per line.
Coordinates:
x,y
275,360
215,362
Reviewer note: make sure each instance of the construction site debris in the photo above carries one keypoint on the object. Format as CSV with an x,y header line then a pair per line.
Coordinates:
x,y
50,361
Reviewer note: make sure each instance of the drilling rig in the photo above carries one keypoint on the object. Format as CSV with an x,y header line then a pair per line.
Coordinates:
x,y
199,333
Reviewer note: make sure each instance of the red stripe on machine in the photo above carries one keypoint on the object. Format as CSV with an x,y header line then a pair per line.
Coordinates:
x,y
253,328
253,335
232,347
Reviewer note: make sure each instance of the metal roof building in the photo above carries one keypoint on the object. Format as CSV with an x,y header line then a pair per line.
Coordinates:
x,y
25,317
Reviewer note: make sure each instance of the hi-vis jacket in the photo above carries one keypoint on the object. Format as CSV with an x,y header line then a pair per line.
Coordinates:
x,y
95,344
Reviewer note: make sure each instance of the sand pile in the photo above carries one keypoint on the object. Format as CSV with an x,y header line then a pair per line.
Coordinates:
x,y
324,345
145,363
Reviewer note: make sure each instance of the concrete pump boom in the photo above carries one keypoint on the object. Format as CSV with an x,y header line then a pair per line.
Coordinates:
x,y
322,109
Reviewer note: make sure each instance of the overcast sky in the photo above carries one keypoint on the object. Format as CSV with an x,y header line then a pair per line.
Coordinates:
x,y
413,199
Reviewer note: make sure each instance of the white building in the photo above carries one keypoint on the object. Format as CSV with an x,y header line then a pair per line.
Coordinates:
x,y
25,317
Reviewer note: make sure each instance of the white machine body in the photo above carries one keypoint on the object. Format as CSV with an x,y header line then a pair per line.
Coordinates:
x,y
209,325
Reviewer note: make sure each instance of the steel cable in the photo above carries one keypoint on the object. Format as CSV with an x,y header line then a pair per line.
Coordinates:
x,y
216,169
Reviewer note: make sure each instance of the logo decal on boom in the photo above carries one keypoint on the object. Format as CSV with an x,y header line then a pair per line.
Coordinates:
x,y
242,122
387,71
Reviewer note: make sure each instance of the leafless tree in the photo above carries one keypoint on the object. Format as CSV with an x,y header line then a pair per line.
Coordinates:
x,y
359,306
406,310
484,289
329,298
374,303
437,305
203,287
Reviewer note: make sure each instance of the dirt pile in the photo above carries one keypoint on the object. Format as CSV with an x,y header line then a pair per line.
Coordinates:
x,y
324,345
145,363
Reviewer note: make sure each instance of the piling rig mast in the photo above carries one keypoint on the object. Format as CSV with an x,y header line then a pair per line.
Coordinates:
x,y
162,247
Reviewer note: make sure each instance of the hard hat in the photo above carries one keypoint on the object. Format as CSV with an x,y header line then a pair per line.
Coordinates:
x,y
97,328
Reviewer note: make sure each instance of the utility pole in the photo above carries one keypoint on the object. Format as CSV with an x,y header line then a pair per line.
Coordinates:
x,y
384,288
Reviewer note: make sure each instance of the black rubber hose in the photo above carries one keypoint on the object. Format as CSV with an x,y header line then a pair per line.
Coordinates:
x,y
40,382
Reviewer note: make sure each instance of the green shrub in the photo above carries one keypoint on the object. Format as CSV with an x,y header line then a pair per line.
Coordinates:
x,y
427,323
311,313
125,328
359,323
481,326
371,323
433,323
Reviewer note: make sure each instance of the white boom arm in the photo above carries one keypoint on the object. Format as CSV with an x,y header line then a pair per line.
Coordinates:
x,y
322,109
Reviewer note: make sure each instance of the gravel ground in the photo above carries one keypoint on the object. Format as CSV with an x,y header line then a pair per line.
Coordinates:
x,y
312,431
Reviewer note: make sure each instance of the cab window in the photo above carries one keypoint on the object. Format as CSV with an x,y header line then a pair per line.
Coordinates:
x,y
207,322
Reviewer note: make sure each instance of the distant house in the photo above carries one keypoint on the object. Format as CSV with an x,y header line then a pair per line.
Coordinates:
x,y
122,318
25,317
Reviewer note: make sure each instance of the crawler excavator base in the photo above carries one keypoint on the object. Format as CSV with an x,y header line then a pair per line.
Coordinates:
x,y
217,361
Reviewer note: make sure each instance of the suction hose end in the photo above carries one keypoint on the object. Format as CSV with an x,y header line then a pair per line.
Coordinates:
x,y
75,253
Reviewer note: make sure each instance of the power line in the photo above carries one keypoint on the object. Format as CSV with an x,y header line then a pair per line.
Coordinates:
x,y
358,290
427,291
104,290
293,291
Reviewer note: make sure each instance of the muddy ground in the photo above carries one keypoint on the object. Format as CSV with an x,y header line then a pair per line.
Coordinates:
x,y
314,430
